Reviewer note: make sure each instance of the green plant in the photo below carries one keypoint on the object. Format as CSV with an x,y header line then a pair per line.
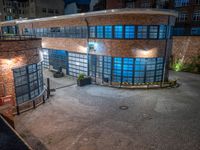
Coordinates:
x,y
178,65
194,66
81,76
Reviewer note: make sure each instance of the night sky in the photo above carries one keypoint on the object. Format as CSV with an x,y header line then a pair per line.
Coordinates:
x,y
78,1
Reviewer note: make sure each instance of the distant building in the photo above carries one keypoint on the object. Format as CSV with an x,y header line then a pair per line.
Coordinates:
x,y
73,7
93,3
188,22
14,9
97,5
45,8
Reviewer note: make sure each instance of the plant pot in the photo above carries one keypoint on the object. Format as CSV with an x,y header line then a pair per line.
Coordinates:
x,y
84,81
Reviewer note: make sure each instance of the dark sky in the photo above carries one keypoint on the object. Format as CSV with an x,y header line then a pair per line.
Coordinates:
x,y
67,1
78,1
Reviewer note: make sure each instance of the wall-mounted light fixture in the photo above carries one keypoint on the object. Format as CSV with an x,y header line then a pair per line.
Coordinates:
x,y
92,46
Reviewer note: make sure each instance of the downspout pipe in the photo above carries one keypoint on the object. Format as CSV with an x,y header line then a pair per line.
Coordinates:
x,y
87,44
166,54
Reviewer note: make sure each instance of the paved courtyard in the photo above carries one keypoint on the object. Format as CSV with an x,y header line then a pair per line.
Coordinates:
x,y
89,118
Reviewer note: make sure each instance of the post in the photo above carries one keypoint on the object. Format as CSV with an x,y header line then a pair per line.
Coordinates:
x,y
48,88
34,104
17,110
43,98
88,66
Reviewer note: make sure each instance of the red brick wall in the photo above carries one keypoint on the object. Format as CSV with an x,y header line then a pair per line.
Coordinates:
x,y
116,48
186,48
15,54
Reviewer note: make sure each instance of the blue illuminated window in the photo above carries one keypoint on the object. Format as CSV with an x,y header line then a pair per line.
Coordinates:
x,y
159,69
57,59
153,32
118,32
129,32
178,31
28,82
180,3
117,69
142,32
92,32
108,32
99,31
77,64
139,70
128,70
107,67
195,31
162,32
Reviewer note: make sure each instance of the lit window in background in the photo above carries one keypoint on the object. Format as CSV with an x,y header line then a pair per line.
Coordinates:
x,y
129,32
108,32
92,32
119,32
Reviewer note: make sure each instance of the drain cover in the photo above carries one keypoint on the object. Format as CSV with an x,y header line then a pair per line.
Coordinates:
x,y
123,107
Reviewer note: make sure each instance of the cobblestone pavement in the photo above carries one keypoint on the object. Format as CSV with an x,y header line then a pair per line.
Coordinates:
x,y
89,118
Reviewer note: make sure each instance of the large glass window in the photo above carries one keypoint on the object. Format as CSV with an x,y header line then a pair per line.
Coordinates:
x,y
196,15
195,31
182,17
162,32
128,70
117,69
92,32
99,31
77,64
55,31
45,53
150,69
179,31
159,69
153,32
129,32
142,32
108,32
180,3
139,76
28,82
118,32
58,59
107,65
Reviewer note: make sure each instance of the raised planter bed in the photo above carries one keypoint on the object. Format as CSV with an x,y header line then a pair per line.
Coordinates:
x,y
85,81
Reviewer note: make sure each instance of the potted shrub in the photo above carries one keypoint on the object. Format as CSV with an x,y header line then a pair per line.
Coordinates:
x,y
82,80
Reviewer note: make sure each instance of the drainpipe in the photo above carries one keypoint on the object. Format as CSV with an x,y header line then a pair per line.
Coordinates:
x,y
87,24
166,53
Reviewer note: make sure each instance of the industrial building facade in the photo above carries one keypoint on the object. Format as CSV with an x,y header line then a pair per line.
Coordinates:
x,y
21,77
115,47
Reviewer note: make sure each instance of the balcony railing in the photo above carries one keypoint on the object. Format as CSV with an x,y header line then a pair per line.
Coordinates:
x,y
17,37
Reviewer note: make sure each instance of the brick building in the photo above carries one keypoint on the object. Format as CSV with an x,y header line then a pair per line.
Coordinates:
x,y
10,9
115,47
187,23
21,79
16,9
186,30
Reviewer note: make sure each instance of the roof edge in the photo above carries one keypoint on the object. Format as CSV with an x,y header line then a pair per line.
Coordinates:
x,y
149,11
